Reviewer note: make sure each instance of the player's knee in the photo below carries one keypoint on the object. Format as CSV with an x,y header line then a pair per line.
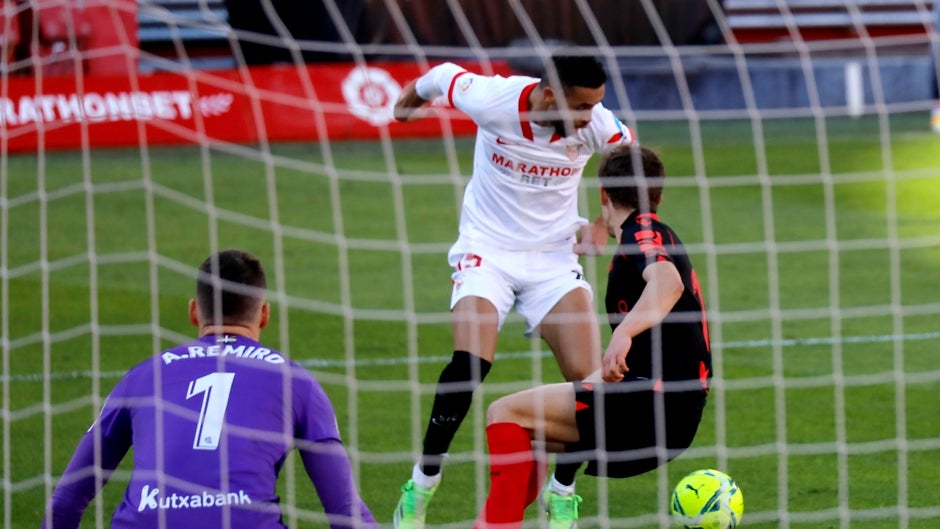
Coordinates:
x,y
578,372
499,411
577,364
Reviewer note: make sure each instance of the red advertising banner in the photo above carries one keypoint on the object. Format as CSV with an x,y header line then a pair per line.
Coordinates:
x,y
273,103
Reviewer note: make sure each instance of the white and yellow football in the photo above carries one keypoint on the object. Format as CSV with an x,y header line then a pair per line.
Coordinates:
x,y
707,499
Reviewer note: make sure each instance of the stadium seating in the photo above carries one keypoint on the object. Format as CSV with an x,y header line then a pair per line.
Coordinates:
x,y
63,31
68,37
9,30
188,20
200,25
773,20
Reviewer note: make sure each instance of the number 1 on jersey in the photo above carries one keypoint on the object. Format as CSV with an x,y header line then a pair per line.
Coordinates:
x,y
216,388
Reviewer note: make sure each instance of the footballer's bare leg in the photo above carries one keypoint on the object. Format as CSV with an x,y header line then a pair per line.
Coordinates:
x,y
475,326
546,412
571,331
513,423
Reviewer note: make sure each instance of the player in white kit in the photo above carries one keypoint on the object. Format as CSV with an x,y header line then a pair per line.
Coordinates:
x,y
517,246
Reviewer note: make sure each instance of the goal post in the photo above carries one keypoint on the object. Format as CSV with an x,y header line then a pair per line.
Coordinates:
x,y
803,177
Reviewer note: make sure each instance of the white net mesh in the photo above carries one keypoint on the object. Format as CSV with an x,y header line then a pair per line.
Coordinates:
x,y
803,178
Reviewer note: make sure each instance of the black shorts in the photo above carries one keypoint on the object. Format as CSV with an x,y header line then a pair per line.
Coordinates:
x,y
622,433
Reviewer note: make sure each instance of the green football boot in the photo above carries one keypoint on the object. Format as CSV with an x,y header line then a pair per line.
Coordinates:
x,y
562,509
413,506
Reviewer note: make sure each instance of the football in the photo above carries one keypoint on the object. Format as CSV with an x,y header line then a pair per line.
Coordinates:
x,y
707,499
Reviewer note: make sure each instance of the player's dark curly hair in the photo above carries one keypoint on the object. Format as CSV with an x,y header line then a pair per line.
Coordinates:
x,y
236,281
576,70
628,169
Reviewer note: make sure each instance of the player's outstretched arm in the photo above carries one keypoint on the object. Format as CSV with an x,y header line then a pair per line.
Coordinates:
x,y
413,102
663,289
410,106
325,459
328,466
79,483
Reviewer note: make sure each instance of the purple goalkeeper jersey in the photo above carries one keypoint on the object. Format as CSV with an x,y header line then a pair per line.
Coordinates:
x,y
211,422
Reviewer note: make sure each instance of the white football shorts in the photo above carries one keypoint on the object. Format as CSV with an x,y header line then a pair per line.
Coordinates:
x,y
530,281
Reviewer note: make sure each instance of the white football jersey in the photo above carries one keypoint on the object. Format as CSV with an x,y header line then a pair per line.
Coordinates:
x,y
524,189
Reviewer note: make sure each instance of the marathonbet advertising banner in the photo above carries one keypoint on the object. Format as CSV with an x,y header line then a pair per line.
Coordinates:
x,y
313,102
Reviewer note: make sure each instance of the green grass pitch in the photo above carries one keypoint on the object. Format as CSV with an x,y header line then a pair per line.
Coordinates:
x,y
818,257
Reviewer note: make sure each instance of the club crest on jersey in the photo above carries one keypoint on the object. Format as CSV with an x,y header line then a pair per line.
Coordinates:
x,y
470,260
574,151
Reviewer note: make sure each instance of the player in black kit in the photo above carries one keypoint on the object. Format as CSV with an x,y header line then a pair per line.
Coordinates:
x,y
643,407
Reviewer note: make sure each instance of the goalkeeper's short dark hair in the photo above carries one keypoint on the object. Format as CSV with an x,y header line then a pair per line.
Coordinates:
x,y
576,70
633,176
230,288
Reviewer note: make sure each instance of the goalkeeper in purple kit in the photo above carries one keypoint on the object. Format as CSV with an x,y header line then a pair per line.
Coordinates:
x,y
211,422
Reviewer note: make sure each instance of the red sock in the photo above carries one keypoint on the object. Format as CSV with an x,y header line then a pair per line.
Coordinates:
x,y
512,465
536,480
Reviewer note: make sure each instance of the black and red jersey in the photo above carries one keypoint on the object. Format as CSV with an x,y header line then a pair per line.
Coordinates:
x,y
677,348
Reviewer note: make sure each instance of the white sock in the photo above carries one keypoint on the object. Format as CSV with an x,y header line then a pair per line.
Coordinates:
x,y
558,488
423,480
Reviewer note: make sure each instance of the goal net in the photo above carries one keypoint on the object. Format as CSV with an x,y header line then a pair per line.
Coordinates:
x,y
803,177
